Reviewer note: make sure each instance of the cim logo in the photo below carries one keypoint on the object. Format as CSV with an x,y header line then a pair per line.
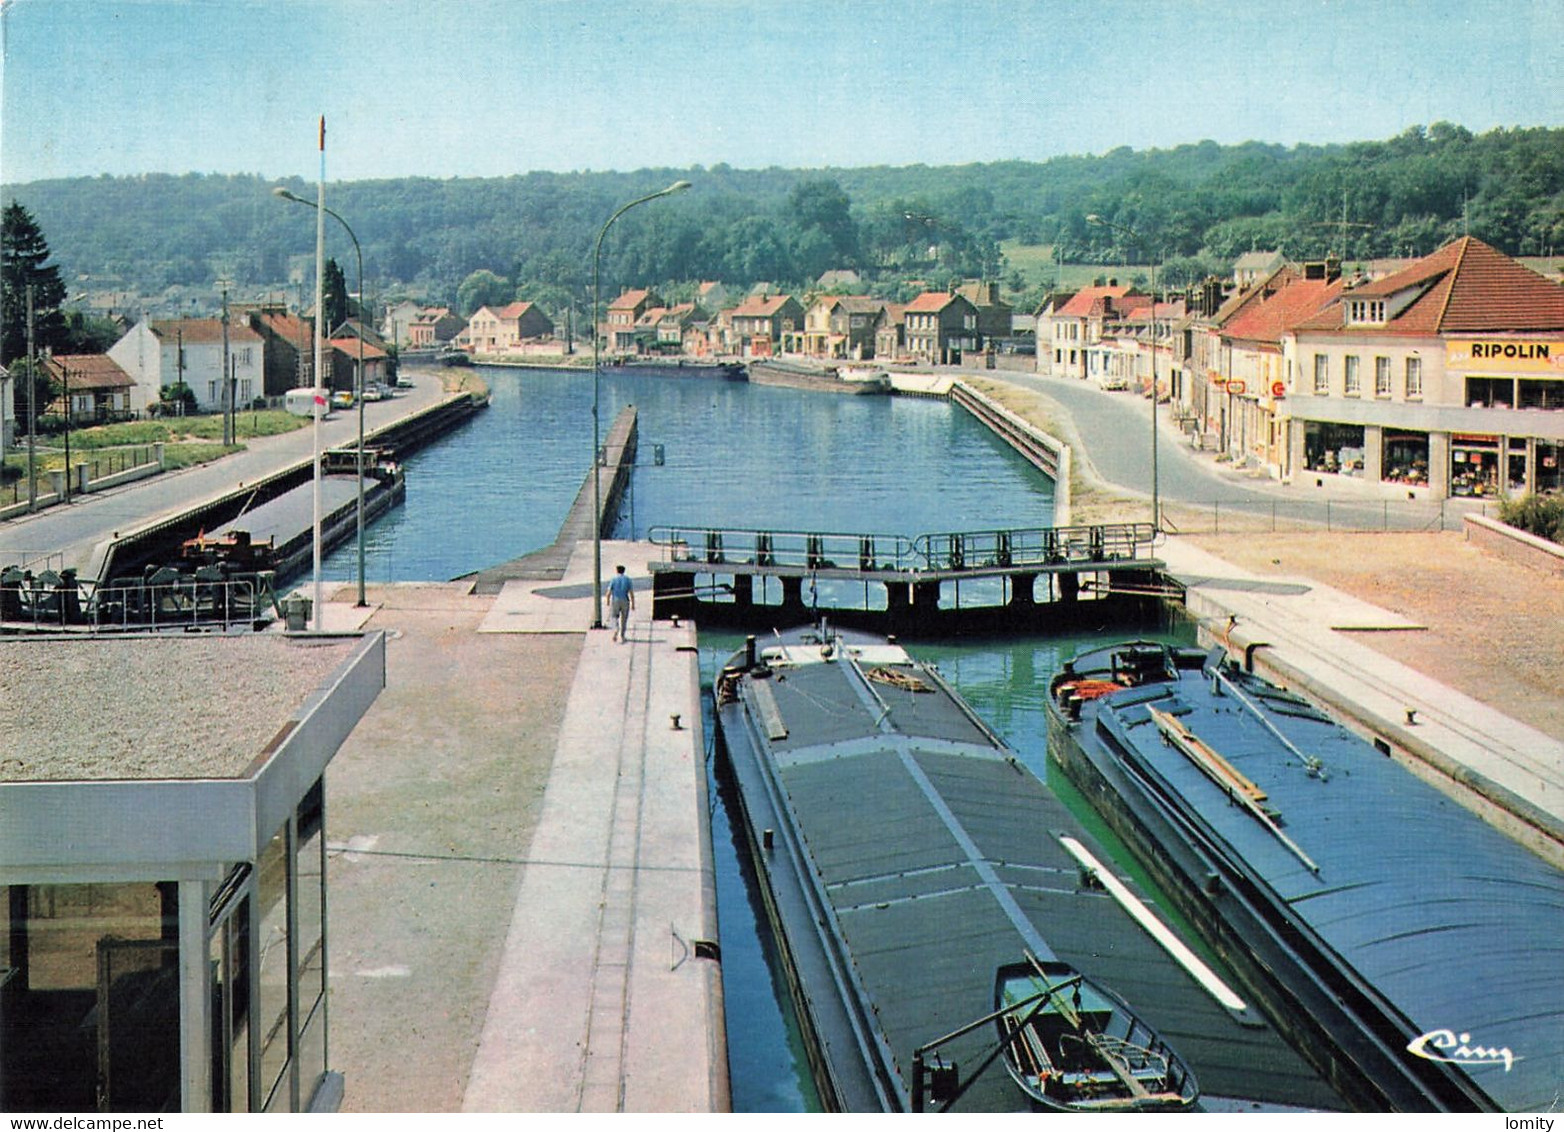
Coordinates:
x,y
1456,1049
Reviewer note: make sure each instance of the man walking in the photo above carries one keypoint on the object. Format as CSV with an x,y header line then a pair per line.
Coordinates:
x,y
621,600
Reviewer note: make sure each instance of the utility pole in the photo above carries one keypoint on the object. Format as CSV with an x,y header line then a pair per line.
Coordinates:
x,y
228,428
32,410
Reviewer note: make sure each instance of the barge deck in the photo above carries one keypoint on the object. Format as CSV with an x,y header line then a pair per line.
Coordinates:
x,y
1411,948
905,855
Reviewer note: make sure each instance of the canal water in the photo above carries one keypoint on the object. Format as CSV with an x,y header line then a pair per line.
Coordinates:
x,y
739,456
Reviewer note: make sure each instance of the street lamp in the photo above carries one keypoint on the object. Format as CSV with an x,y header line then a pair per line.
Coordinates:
x,y
284,194
1156,510
597,498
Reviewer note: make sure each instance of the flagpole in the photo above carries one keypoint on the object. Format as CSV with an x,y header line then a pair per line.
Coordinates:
x,y
320,314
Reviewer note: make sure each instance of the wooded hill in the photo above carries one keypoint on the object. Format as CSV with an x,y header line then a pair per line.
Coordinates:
x,y
1196,206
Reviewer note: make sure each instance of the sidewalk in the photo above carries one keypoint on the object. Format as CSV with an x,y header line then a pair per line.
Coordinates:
x,y
1511,773
609,993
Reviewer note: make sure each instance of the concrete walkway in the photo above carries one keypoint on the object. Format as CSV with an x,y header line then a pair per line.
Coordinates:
x,y
609,992
1511,773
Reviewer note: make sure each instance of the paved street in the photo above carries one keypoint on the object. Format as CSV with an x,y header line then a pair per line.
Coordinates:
x,y
74,529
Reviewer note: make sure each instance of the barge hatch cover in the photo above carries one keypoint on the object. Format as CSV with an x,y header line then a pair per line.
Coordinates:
x,y
934,857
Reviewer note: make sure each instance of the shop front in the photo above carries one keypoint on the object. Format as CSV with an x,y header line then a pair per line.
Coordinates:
x,y
1404,458
1334,448
1474,464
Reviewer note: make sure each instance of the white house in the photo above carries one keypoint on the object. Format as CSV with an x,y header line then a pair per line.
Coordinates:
x,y
162,353
7,412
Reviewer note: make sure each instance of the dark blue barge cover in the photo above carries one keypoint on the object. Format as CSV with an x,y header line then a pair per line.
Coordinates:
x,y
905,855
1420,947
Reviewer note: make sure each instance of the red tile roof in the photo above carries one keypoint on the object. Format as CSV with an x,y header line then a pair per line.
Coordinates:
x,y
1083,302
513,310
630,300
1275,312
89,371
930,302
760,306
349,346
289,327
1464,287
203,330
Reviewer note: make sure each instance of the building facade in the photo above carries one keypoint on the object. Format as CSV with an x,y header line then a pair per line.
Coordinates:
x,y
1445,377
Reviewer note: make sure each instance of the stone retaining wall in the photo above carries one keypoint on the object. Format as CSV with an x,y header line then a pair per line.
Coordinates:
x,y
1515,545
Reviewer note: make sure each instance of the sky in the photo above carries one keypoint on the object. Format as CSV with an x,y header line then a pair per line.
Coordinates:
x,y
462,88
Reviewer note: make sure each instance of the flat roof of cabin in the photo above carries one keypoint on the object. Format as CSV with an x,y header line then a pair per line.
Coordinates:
x,y
153,707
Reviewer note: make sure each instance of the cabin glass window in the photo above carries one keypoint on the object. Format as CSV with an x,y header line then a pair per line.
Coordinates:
x,y
90,986
276,1034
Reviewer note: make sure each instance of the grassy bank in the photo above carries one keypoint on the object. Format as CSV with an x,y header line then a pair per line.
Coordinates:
x,y
186,440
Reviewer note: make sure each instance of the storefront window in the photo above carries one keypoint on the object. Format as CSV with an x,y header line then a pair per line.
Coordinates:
x,y
1333,448
1405,458
1474,465
1550,467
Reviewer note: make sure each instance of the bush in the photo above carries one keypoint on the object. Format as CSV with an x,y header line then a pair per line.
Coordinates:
x,y
1540,515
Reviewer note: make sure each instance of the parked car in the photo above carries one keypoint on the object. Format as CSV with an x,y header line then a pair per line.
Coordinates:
x,y
342,399
404,382
374,391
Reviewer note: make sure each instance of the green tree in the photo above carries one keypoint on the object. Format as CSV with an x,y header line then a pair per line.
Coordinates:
x,y
23,262
336,296
483,288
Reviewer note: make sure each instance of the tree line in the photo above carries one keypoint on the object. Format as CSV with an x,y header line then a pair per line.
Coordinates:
x,y
1192,208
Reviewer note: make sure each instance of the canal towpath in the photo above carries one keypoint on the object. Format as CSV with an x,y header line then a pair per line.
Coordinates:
x,y
72,531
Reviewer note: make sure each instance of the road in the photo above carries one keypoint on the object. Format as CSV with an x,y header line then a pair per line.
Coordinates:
x,y
1115,442
73,530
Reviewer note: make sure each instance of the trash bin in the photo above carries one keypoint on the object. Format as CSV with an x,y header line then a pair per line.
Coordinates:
x,y
296,611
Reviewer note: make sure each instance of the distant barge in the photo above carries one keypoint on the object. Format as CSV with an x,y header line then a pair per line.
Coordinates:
x,y
1414,951
929,893
815,379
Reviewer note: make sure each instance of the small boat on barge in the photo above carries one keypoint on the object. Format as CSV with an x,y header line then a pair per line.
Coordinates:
x,y
1075,1046
907,860
1412,950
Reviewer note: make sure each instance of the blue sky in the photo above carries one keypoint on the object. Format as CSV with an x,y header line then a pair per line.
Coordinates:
x,y
447,88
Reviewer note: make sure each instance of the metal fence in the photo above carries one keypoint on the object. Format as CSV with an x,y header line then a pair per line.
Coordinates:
x,y
944,552
169,600
1292,516
101,463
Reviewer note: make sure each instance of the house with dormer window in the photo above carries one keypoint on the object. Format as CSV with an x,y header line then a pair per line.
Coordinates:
x,y
1446,377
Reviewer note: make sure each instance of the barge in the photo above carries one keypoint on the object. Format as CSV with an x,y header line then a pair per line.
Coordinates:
x,y
1411,949
816,379
909,862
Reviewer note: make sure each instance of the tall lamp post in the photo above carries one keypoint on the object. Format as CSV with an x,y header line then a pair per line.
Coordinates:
x,y
597,498
1156,509
284,194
